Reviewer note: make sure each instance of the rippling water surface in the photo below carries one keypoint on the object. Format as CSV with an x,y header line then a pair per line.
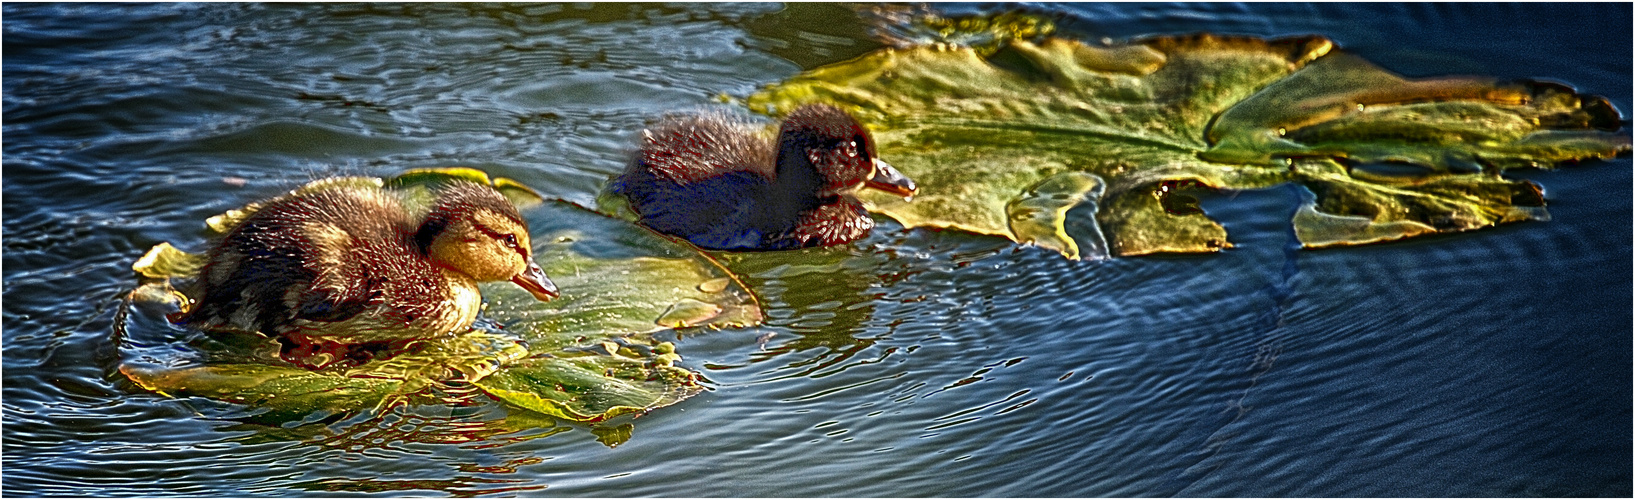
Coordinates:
x,y
914,363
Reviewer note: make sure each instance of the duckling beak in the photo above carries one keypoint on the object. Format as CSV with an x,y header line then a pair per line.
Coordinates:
x,y
887,178
533,280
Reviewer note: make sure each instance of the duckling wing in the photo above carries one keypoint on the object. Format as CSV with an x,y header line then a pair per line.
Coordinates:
x,y
262,279
692,148
365,265
335,303
320,257
380,283
244,285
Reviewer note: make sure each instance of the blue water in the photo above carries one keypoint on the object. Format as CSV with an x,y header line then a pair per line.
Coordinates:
x,y
914,363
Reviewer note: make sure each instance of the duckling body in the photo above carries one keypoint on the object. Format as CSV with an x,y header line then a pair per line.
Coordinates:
x,y
715,181
350,265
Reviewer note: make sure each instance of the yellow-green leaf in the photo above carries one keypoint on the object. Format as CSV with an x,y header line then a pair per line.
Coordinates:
x,y
987,132
165,261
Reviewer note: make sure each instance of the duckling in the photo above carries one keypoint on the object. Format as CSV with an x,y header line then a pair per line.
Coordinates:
x,y
349,265
714,181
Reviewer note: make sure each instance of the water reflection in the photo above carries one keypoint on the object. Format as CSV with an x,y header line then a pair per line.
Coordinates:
x,y
815,301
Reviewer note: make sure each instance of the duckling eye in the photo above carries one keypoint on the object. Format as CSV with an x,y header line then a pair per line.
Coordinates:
x,y
510,240
851,149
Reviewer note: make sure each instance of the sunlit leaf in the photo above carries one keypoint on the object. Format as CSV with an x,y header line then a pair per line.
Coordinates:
x,y
165,261
989,131
414,183
620,284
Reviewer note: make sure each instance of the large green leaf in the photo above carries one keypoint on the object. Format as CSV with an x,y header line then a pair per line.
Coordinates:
x,y
1004,138
587,356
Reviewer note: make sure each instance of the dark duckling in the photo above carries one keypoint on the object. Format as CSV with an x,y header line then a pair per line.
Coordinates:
x,y
716,182
350,266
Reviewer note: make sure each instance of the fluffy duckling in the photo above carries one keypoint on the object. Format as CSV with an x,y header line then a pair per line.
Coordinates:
x,y
715,181
349,265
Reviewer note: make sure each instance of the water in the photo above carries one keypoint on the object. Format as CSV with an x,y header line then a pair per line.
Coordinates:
x,y
1496,363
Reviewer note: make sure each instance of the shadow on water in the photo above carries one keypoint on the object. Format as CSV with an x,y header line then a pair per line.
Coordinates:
x,y
1260,236
817,302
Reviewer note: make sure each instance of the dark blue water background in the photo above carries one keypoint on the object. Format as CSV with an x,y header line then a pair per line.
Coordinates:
x,y
1495,363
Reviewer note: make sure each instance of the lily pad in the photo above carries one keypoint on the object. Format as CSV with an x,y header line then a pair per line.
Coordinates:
x,y
988,131
620,284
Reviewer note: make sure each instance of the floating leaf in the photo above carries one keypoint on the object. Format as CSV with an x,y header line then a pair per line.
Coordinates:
x,y
618,282
616,278
984,131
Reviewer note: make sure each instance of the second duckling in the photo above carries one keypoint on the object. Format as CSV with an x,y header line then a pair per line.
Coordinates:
x,y
349,265
716,182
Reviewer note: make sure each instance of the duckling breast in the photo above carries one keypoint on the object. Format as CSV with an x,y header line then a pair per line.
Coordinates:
x,y
842,221
463,300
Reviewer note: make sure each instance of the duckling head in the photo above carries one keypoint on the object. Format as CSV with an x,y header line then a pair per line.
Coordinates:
x,y
473,230
827,147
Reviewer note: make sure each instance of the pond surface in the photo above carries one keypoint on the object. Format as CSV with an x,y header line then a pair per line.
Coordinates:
x,y
1493,363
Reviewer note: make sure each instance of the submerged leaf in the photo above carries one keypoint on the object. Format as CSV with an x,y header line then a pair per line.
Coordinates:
x,y
288,392
1040,214
614,435
984,132
619,284
591,389
251,374
688,312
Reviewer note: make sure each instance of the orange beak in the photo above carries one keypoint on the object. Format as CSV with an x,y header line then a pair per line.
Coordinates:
x,y
887,178
533,280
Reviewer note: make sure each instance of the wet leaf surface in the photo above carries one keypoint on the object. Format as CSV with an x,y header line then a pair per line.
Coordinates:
x,y
988,129
620,284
